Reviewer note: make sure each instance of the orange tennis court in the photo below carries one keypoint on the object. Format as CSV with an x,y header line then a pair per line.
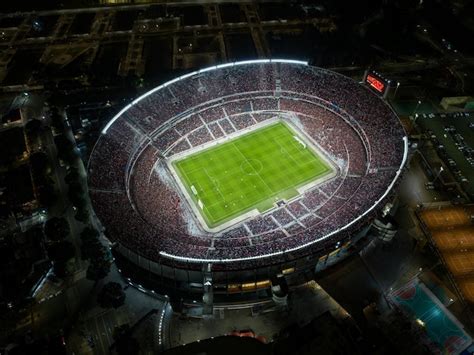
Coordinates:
x,y
452,232
454,239
460,263
467,288
445,217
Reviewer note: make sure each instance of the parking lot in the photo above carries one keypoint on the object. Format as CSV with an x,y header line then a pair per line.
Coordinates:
x,y
452,134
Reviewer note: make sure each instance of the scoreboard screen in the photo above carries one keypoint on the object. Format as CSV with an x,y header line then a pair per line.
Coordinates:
x,y
375,83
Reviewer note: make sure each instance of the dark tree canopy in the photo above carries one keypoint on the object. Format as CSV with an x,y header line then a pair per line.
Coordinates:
x,y
82,214
111,295
60,253
65,148
89,233
56,229
56,120
40,163
98,269
91,248
47,195
72,175
33,126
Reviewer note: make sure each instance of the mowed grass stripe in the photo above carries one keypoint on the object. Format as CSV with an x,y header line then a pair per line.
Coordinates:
x,y
236,176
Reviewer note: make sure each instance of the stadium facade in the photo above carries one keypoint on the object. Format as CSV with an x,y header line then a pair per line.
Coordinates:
x,y
157,235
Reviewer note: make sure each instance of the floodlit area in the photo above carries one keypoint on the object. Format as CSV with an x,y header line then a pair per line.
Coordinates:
x,y
251,172
236,177
263,167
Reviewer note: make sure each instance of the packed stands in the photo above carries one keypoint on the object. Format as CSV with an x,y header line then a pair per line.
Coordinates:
x,y
140,204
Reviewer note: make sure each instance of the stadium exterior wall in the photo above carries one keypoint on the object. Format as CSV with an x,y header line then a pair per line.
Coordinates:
x,y
185,280
182,272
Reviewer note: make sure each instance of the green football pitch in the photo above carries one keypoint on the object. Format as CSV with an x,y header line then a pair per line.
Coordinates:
x,y
251,171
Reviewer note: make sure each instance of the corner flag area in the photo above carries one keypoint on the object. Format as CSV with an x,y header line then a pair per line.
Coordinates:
x,y
249,172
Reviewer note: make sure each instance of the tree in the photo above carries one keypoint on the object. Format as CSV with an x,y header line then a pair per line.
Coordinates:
x,y
111,295
90,246
127,345
89,233
56,229
56,120
40,163
79,202
62,142
76,193
98,269
60,253
47,195
82,214
92,250
65,148
124,342
33,126
72,175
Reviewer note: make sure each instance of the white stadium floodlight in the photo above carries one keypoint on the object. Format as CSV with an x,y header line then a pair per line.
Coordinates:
x,y
214,67
104,131
200,204
172,81
256,61
289,61
182,77
224,65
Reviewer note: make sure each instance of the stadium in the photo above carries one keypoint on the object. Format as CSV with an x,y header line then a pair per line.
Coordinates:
x,y
237,173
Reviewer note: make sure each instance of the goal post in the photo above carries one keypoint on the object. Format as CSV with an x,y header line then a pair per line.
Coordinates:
x,y
300,141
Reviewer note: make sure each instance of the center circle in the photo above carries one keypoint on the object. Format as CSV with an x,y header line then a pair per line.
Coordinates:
x,y
251,166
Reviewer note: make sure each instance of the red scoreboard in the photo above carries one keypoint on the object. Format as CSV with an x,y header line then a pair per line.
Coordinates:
x,y
376,83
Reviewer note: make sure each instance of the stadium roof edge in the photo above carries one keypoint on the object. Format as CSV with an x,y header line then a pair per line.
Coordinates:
x,y
231,64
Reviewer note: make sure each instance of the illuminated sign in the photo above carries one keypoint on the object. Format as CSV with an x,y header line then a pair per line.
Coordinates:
x,y
376,83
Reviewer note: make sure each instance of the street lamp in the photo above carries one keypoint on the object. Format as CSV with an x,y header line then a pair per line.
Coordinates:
x,y
437,175
396,89
416,107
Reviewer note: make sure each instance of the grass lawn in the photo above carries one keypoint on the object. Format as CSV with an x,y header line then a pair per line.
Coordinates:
x,y
251,171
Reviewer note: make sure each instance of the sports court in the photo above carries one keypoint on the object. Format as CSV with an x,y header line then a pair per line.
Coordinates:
x,y
443,329
444,217
251,171
452,232
454,239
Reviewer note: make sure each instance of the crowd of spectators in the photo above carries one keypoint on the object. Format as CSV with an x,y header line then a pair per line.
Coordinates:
x,y
216,130
200,136
138,201
179,147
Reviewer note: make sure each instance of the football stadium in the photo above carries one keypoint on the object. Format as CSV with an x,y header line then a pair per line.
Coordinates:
x,y
234,174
